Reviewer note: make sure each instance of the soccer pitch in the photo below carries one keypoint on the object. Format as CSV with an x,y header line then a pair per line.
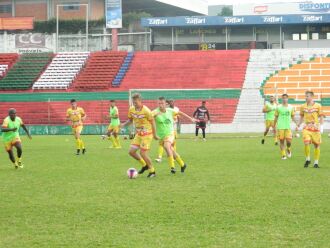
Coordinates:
x,y
235,193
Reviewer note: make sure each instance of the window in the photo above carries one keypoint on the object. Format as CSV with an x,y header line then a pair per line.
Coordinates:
x,y
328,36
295,37
304,36
71,7
315,36
5,8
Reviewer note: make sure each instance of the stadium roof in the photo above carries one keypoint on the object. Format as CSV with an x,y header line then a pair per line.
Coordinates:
x,y
167,7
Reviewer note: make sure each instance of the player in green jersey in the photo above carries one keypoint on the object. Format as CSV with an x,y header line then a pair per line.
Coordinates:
x,y
269,110
165,131
283,116
10,136
114,126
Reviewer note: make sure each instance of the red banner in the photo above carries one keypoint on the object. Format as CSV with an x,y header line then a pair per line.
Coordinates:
x,y
16,23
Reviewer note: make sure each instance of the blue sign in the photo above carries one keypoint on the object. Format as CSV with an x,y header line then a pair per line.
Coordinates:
x,y
114,14
190,21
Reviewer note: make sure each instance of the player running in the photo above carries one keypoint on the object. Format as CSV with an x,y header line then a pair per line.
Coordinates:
x,y
165,131
269,110
145,129
176,119
283,115
10,136
200,114
114,127
77,116
311,115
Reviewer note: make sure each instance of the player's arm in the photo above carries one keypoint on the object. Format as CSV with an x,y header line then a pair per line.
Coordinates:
x,y
265,110
83,115
126,123
208,115
195,113
276,118
5,129
187,116
26,131
293,118
153,127
301,120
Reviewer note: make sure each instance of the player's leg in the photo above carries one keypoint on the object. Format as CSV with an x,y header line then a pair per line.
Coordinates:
x,y
274,132
204,133
281,137
179,160
316,138
81,143
169,151
144,150
116,137
266,132
197,130
135,146
307,142
74,132
111,137
19,150
288,138
9,149
160,152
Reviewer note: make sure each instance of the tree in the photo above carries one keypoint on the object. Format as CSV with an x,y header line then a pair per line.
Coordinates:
x,y
226,11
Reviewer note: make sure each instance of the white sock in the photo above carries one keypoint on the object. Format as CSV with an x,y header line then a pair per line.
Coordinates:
x,y
308,159
316,162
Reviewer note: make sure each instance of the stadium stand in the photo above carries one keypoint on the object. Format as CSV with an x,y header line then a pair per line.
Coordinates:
x,y
187,69
6,62
25,71
263,64
61,71
100,70
123,70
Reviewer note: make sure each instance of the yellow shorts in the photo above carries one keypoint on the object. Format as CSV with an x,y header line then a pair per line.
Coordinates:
x,y
77,129
10,144
312,137
269,124
143,142
284,134
114,129
170,139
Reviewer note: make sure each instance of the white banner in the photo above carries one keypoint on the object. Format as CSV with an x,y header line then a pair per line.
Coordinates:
x,y
297,8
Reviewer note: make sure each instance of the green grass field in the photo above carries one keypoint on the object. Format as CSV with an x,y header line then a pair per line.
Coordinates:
x,y
235,193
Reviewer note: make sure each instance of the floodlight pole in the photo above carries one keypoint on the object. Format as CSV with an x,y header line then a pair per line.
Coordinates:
x,y
114,39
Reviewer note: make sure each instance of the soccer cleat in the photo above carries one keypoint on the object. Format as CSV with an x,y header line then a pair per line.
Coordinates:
x,y
307,163
103,137
151,174
183,168
263,141
289,154
19,163
284,158
118,147
173,171
316,166
84,151
78,152
204,139
158,160
143,169
15,165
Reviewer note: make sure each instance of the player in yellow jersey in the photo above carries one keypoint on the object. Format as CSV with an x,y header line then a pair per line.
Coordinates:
x,y
77,116
269,111
145,130
312,116
176,118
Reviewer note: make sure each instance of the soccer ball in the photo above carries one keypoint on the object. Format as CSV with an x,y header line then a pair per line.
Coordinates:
x,y
297,135
132,173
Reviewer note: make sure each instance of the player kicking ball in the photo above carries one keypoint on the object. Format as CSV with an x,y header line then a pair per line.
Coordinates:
x,y
283,115
312,116
145,130
77,115
165,131
10,136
